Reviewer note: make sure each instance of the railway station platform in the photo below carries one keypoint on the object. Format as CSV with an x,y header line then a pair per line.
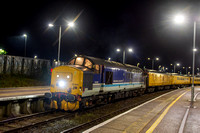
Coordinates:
x,y
22,92
168,113
22,100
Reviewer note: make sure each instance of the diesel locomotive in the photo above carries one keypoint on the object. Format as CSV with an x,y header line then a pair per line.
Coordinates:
x,y
87,81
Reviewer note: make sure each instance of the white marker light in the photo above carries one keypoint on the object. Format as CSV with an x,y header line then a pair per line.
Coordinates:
x,y
58,76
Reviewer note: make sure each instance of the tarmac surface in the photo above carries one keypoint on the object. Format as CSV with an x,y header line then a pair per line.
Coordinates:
x,y
22,92
168,113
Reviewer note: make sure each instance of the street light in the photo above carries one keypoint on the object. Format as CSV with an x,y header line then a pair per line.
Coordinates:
x,y
124,53
157,59
130,50
25,41
180,19
51,25
71,24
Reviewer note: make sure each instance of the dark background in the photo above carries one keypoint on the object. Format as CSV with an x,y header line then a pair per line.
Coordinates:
x,y
103,26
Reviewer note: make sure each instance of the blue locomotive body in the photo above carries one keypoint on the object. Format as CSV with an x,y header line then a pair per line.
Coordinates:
x,y
103,76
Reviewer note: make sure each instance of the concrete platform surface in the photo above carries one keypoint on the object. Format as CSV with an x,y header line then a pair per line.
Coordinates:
x,y
22,92
169,113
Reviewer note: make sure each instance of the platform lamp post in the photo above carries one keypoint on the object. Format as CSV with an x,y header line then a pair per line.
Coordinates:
x,y
171,65
156,59
71,24
25,41
130,50
190,69
175,67
179,19
186,69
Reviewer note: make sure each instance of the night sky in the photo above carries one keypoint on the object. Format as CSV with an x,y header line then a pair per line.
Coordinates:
x,y
103,26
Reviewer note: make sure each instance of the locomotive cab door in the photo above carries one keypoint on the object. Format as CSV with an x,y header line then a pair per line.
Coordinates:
x,y
88,80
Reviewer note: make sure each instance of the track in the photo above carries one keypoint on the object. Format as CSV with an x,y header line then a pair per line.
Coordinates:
x,y
23,123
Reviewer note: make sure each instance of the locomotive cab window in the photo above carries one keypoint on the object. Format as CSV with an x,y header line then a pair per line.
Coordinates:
x,y
109,77
71,62
88,63
96,69
79,61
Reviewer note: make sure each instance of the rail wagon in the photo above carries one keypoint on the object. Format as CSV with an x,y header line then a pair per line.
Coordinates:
x,y
196,80
180,81
158,80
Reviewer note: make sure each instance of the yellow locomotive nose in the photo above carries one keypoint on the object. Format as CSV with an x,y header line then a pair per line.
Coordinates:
x,y
66,82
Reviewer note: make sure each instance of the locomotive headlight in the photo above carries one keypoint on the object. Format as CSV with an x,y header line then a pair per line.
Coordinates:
x,y
61,83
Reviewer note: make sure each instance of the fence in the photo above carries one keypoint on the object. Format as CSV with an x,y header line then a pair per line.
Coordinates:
x,y
26,66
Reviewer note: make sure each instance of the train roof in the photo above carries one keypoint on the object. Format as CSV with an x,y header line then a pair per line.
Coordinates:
x,y
161,72
108,63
